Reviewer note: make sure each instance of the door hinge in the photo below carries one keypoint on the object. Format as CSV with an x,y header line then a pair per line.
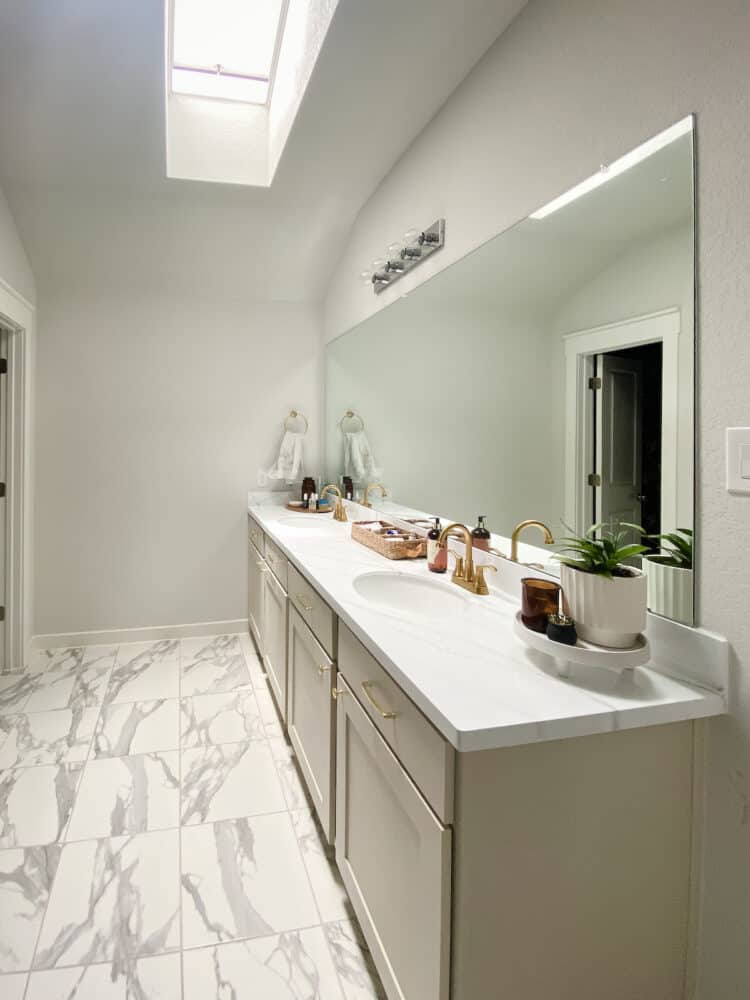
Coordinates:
x,y
594,479
2,613
2,490
3,366
595,382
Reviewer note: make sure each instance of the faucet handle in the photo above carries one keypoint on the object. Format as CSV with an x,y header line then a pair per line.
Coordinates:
x,y
458,572
480,584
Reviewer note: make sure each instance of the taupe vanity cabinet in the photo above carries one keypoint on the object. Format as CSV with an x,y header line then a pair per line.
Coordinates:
x,y
557,869
255,569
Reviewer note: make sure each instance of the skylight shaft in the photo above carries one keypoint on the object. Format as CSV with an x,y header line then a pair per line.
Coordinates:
x,y
224,48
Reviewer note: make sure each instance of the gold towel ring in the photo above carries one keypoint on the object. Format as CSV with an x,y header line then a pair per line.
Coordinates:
x,y
351,415
294,415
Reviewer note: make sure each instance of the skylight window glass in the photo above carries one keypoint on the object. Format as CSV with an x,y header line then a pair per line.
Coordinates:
x,y
225,48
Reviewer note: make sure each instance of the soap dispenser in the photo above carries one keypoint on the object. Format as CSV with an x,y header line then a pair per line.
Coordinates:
x,y
480,535
437,556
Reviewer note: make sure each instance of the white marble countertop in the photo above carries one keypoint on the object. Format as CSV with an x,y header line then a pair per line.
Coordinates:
x,y
478,684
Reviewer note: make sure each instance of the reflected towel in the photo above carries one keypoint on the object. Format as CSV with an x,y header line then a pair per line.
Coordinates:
x,y
359,461
289,464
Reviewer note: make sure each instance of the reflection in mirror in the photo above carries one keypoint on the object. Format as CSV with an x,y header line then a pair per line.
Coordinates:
x,y
547,375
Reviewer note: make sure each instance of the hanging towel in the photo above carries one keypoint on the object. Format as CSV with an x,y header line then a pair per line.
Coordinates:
x,y
359,461
289,464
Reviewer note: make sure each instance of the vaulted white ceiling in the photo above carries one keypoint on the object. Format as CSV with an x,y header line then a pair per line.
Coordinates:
x,y
82,152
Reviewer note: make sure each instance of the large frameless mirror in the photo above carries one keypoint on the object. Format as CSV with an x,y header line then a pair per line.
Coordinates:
x,y
549,374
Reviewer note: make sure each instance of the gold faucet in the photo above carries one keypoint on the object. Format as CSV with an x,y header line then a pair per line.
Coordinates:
x,y
373,486
339,513
548,539
465,574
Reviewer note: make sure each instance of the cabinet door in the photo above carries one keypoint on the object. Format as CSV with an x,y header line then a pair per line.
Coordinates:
x,y
395,858
256,567
311,717
274,638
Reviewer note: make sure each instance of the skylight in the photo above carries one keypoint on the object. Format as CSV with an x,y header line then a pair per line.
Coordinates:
x,y
225,48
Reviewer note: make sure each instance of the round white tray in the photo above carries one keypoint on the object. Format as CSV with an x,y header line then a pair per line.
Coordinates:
x,y
585,653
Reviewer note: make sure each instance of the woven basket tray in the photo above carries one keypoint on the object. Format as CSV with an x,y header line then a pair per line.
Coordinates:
x,y
403,545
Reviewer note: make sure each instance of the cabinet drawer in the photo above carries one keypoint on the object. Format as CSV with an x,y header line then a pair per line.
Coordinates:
x,y
277,561
313,609
395,859
425,754
255,534
310,716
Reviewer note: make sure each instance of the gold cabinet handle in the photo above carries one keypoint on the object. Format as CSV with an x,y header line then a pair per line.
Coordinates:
x,y
337,693
323,668
366,685
305,607
261,566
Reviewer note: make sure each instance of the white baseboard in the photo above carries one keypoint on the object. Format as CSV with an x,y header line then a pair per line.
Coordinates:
x,y
151,633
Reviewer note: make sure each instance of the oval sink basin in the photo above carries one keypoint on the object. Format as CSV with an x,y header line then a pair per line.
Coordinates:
x,y
311,524
411,596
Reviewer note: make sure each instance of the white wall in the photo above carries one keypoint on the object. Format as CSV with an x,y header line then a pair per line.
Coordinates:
x,y
154,414
15,270
572,84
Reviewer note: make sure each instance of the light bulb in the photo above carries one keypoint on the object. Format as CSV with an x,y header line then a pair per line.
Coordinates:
x,y
394,249
366,276
379,263
410,235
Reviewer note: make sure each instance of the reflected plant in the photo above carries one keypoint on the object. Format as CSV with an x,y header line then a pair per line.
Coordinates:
x,y
676,548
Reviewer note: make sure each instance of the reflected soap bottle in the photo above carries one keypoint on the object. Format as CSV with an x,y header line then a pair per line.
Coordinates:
x,y
437,557
480,535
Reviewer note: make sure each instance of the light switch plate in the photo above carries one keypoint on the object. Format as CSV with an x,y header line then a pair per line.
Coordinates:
x,y
738,459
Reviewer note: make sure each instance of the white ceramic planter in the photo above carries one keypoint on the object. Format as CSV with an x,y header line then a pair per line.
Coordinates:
x,y
670,591
607,612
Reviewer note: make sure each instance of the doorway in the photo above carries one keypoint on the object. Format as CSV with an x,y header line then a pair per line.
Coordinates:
x,y
627,435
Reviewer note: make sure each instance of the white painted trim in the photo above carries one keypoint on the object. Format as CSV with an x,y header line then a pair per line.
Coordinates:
x,y
149,633
18,315
580,347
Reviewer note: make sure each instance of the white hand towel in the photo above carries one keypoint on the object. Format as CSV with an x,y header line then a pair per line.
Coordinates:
x,y
359,461
289,464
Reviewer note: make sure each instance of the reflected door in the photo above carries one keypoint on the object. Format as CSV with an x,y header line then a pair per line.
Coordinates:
x,y
619,437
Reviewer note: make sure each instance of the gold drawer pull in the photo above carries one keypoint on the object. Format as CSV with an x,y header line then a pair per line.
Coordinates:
x,y
305,607
262,566
337,693
366,685
323,668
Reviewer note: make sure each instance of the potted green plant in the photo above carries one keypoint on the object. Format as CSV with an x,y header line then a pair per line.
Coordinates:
x,y
607,599
670,575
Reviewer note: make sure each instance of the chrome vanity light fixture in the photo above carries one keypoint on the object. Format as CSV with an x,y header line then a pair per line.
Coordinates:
x,y
402,257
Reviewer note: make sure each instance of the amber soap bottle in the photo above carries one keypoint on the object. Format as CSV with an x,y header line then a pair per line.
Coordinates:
x,y
480,534
437,557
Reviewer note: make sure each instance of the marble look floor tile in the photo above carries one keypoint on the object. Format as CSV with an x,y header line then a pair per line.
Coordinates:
x,y
269,715
113,900
13,987
26,876
224,782
57,737
291,966
212,665
211,719
126,795
157,978
328,889
292,785
353,961
243,878
36,803
72,678
146,671
15,691
138,727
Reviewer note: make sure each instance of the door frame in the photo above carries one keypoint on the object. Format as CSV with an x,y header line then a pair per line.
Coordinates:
x,y
581,347
17,315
